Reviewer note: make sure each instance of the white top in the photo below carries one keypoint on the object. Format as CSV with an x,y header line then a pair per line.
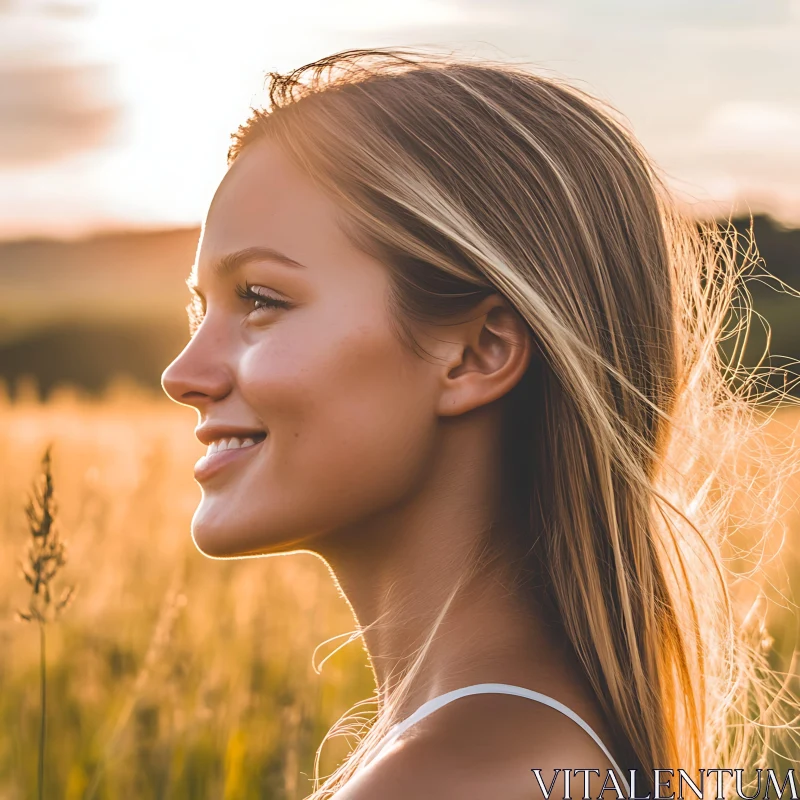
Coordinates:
x,y
490,688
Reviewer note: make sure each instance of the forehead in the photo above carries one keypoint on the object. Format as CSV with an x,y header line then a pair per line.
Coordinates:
x,y
266,200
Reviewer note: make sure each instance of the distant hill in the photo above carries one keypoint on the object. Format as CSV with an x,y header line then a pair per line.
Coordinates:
x,y
110,277
779,247
85,311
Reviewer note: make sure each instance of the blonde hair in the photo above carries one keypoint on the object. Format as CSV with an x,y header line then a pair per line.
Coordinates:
x,y
469,178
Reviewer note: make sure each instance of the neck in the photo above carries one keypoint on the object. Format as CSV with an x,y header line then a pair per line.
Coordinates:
x,y
398,570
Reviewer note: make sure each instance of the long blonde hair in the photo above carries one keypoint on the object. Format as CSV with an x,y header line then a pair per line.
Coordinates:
x,y
467,178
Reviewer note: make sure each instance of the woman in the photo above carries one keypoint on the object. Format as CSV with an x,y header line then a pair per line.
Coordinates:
x,y
450,335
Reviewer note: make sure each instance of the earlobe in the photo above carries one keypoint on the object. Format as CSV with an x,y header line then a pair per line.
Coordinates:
x,y
494,351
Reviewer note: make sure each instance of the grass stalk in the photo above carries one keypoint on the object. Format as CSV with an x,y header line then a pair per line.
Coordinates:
x,y
46,555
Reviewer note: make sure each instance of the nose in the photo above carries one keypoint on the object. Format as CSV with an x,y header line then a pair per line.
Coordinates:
x,y
195,378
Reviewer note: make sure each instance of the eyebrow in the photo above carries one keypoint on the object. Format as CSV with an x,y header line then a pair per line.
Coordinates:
x,y
231,262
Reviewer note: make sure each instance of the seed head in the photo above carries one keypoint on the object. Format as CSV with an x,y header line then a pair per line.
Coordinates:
x,y
46,553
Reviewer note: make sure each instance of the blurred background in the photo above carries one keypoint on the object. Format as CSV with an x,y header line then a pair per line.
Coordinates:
x,y
115,117
171,675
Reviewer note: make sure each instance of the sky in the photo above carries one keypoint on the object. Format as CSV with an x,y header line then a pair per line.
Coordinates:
x,y
117,113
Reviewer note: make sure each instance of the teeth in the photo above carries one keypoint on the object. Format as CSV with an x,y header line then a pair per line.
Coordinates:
x,y
228,444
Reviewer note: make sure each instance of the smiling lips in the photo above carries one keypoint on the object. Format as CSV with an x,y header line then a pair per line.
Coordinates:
x,y
210,432
224,450
230,444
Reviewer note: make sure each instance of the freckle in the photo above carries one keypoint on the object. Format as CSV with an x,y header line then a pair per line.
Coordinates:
x,y
296,434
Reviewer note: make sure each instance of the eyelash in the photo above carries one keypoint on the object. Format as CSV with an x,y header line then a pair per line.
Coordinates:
x,y
246,292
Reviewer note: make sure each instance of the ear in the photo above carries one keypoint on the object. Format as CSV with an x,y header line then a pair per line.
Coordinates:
x,y
486,357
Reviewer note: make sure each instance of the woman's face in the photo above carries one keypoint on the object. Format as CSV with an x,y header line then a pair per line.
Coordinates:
x,y
326,416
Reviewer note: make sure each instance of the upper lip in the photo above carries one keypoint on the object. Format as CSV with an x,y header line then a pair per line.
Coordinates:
x,y
212,433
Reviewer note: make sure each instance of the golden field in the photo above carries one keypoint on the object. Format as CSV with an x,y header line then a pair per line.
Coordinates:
x,y
172,675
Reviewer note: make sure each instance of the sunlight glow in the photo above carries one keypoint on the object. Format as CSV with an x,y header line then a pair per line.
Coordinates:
x,y
178,76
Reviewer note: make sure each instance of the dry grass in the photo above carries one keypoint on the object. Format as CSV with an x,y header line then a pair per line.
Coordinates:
x,y
172,675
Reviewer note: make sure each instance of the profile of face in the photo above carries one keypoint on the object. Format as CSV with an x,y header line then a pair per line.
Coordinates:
x,y
315,413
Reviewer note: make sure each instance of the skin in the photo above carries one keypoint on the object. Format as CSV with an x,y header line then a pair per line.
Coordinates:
x,y
384,464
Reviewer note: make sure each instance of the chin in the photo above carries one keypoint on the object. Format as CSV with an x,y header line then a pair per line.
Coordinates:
x,y
214,544
215,539
229,536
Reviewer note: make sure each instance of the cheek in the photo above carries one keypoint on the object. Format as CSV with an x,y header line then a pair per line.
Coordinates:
x,y
349,415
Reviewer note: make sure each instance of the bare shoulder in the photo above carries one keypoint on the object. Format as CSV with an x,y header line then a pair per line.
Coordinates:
x,y
477,748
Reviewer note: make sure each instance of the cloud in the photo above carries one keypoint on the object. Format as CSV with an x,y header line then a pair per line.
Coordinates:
x,y
55,99
717,14
708,88
753,127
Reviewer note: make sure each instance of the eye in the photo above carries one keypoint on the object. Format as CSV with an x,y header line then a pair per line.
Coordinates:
x,y
260,299
196,307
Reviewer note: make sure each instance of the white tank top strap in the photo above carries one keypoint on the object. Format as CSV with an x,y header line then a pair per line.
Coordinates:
x,y
492,688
